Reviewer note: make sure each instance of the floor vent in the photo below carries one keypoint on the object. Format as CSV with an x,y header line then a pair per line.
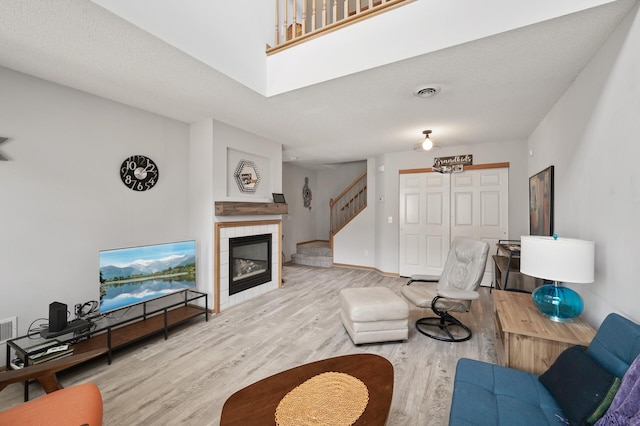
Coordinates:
x,y
8,329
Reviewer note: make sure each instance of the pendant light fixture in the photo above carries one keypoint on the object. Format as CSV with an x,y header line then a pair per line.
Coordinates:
x,y
427,143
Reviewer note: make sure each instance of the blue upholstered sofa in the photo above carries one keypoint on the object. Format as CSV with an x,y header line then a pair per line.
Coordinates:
x,y
487,394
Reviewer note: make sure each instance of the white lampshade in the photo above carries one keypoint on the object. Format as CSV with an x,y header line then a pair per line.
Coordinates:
x,y
557,259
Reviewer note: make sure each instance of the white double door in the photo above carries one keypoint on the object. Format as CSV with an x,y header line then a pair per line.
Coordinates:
x,y
436,208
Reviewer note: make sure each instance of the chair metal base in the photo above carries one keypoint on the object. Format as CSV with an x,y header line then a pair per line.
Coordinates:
x,y
449,329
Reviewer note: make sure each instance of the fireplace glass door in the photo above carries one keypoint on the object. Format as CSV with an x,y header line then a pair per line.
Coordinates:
x,y
249,262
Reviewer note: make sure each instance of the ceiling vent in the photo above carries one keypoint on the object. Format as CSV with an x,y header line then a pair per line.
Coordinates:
x,y
427,91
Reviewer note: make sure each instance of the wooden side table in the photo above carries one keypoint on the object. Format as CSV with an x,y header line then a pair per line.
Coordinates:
x,y
527,340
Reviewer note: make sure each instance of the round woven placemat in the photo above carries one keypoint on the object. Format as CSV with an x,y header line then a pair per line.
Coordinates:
x,y
331,399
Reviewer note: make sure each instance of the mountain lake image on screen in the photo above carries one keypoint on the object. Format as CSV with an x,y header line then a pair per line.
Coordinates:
x,y
137,274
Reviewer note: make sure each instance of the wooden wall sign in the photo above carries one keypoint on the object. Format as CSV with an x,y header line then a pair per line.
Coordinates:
x,y
464,160
453,164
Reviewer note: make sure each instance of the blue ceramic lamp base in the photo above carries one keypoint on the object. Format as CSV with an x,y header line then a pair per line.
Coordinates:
x,y
557,302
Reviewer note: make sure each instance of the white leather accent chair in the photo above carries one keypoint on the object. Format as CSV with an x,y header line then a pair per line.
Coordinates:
x,y
456,288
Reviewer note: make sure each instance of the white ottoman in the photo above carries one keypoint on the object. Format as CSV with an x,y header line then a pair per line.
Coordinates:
x,y
374,314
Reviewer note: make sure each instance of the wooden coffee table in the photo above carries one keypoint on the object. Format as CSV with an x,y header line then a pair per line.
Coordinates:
x,y
256,404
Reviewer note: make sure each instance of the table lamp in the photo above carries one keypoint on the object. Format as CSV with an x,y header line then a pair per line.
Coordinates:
x,y
558,260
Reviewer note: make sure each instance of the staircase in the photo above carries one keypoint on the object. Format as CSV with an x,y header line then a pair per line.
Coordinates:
x,y
315,253
343,209
347,205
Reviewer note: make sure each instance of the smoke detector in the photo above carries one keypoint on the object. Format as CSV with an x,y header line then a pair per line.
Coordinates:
x,y
427,91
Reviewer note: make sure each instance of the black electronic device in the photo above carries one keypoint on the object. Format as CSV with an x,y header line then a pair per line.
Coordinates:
x,y
77,325
57,316
278,198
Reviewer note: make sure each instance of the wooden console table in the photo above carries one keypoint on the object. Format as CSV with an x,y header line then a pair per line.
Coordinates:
x,y
527,340
113,330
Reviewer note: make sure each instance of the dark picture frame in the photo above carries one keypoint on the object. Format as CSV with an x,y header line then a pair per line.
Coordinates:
x,y
278,198
541,203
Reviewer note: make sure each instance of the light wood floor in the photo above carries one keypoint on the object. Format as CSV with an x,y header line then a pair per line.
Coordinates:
x,y
186,379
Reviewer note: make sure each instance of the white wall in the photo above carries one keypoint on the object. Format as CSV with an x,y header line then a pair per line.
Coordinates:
x,y
201,185
387,234
265,153
213,36
355,243
591,137
61,196
300,224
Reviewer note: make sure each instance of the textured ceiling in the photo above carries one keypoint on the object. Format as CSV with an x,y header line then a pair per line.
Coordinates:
x,y
497,88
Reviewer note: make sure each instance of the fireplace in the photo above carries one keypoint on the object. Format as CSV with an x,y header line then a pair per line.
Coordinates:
x,y
249,262
223,234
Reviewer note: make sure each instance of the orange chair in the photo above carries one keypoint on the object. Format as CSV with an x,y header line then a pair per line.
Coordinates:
x,y
76,405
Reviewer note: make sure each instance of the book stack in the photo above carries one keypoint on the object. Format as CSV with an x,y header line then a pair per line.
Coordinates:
x,y
43,352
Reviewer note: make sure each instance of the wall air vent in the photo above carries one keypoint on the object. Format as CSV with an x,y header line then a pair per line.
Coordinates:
x,y
427,91
8,329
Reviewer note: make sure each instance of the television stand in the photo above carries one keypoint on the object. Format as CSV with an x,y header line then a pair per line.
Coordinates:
x,y
121,327
112,330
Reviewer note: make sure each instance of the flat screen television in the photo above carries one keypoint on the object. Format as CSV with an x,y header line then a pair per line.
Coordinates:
x,y
136,274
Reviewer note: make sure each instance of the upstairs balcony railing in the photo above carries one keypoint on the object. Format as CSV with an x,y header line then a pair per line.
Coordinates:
x,y
299,20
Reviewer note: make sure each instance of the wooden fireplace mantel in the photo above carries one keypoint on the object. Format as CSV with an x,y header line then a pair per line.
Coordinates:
x,y
243,208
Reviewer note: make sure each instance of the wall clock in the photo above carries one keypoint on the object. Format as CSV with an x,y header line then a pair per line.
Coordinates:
x,y
139,173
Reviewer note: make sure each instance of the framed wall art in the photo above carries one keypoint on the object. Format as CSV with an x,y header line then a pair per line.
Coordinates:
x,y
247,176
541,203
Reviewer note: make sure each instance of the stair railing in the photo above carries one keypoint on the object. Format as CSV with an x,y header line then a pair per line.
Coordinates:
x,y
297,20
347,205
